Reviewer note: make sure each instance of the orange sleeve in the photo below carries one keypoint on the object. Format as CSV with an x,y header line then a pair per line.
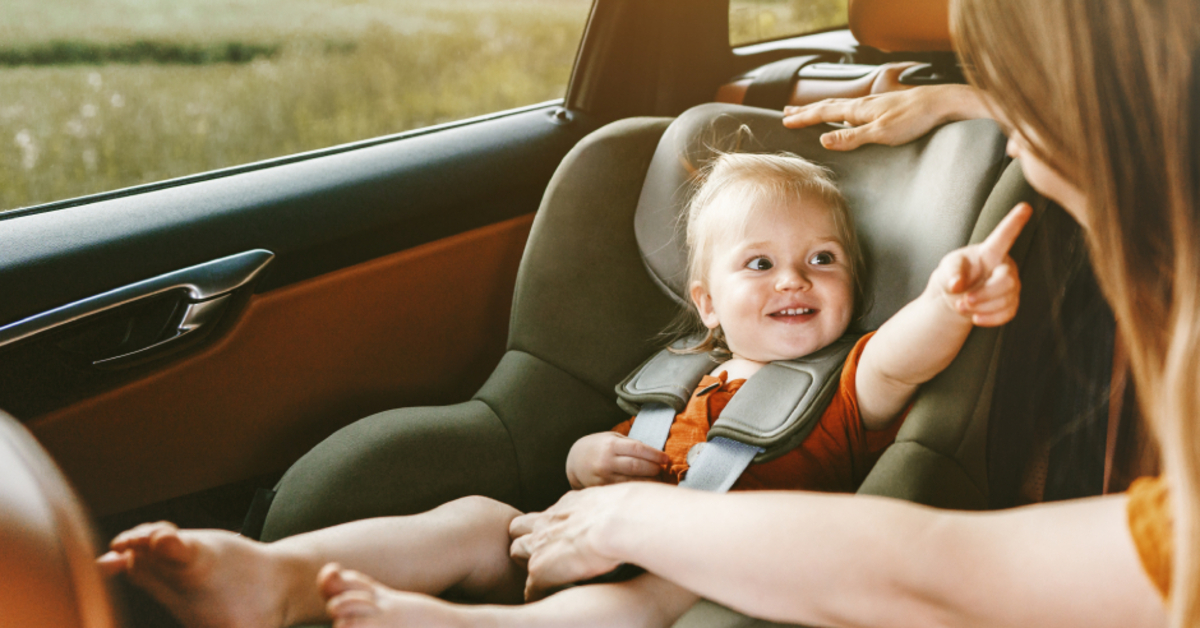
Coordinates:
x,y
1149,514
624,427
839,452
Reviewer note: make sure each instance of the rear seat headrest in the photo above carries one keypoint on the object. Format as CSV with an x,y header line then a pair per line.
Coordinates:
x,y
912,204
902,25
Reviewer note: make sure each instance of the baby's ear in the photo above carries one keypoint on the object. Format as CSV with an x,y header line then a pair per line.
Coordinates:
x,y
704,305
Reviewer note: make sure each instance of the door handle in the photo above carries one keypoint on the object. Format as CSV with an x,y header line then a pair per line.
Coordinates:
x,y
196,319
198,296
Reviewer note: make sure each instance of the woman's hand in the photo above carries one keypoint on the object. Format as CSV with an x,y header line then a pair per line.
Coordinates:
x,y
980,282
891,118
609,458
562,544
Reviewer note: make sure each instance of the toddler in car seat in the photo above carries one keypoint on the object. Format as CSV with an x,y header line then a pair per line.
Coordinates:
x,y
774,271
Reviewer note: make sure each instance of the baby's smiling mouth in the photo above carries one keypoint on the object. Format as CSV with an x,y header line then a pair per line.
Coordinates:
x,y
794,313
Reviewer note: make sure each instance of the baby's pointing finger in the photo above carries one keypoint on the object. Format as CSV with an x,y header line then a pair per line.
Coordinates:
x,y
995,248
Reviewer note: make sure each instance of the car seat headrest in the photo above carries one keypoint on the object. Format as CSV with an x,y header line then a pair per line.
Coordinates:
x,y
912,204
47,566
901,25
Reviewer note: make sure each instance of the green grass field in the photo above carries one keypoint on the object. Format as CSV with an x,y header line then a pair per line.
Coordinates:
x,y
99,95
759,20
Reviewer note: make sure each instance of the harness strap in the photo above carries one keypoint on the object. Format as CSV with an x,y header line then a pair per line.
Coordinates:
x,y
719,464
653,424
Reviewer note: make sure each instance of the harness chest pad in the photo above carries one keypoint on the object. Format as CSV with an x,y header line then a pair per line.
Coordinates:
x,y
779,406
667,377
775,410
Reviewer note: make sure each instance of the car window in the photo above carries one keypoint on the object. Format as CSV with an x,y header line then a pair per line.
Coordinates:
x,y
752,21
97,95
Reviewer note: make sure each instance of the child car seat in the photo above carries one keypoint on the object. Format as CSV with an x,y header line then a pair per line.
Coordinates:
x,y
601,276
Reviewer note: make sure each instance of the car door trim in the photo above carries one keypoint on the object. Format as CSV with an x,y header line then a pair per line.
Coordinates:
x,y
202,282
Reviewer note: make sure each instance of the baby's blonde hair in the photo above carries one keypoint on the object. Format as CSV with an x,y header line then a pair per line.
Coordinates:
x,y
755,181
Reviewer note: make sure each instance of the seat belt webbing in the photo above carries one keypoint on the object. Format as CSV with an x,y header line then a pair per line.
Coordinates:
x,y
719,464
653,424
772,88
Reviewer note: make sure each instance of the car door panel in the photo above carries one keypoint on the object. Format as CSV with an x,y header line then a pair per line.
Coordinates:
x,y
393,274
423,326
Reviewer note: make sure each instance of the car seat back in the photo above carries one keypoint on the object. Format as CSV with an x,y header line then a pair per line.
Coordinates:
x,y
601,277
46,548
604,272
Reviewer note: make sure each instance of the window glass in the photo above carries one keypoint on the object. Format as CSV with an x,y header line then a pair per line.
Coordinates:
x,y
752,21
102,94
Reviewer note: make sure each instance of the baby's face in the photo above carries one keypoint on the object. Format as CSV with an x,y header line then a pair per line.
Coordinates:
x,y
782,289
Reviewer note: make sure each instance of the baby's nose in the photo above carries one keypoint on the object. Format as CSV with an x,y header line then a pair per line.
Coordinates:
x,y
793,280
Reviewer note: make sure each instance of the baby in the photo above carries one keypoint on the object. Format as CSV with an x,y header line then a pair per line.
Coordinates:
x,y
774,272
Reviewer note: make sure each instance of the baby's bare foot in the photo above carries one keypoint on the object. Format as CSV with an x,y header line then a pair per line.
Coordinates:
x,y
356,601
206,578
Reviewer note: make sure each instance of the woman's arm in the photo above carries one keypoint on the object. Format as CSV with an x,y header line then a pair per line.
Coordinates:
x,y
839,560
891,118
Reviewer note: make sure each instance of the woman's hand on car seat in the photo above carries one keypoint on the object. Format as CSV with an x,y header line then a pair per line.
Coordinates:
x,y
609,458
891,118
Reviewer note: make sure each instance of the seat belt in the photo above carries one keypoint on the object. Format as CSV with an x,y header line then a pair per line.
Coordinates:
x,y
772,86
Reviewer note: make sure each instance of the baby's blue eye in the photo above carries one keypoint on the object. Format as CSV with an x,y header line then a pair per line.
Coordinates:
x,y
824,258
760,263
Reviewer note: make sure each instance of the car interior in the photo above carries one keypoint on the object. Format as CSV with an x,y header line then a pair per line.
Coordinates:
x,y
204,347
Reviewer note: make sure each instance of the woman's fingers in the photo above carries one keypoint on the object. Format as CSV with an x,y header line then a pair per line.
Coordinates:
x,y
852,138
522,525
831,110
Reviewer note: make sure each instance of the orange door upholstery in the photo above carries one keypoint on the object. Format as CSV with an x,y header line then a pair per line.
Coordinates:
x,y
422,326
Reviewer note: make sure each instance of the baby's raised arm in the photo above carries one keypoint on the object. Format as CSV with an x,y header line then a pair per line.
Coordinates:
x,y
974,285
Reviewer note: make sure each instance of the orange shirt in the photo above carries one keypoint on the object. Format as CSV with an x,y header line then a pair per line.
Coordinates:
x,y
1149,514
835,457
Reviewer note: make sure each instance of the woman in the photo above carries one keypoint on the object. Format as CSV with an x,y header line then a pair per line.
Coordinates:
x,y
1100,102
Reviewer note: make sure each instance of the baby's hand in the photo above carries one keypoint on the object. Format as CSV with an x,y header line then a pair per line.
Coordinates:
x,y
608,458
980,281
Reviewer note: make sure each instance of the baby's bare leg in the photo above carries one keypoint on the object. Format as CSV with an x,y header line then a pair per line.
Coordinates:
x,y
219,579
357,601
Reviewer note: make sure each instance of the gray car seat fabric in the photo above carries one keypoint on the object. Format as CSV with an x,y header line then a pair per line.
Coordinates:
x,y
46,545
912,204
602,276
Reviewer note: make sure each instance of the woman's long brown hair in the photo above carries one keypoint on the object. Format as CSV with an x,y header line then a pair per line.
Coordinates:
x,y
1104,91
